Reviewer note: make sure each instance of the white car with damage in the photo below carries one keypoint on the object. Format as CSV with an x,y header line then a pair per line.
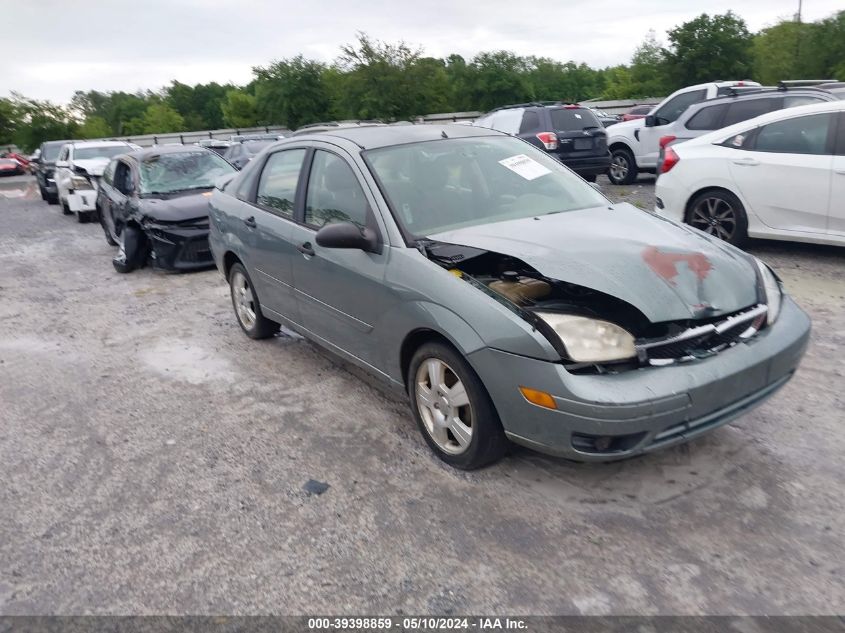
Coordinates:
x,y
78,170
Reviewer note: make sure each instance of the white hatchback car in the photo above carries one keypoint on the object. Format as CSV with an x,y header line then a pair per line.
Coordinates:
x,y
779,176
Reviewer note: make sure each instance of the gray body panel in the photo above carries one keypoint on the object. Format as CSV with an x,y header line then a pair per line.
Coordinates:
x,y
364,306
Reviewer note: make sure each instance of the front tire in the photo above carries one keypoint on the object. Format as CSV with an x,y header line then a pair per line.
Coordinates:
x,y
452,408
247,308
623,167
132,251
719,213
109,227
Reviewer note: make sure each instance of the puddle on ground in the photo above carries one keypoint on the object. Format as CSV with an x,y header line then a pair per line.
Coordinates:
x,y
182,360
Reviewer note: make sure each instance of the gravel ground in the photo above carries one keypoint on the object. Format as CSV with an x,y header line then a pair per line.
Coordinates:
x,y
154,459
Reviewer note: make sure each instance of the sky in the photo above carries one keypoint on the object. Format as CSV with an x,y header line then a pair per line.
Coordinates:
x,y
56,47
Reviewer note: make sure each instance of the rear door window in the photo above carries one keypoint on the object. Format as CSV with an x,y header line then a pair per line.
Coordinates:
x,y
278,182
799,100
800,135
739,111
334,193
573,119
709,118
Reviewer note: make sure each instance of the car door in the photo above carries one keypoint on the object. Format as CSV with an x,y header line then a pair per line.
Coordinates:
x,y
120,193
836,207
785,172
648,136
267,222
340,291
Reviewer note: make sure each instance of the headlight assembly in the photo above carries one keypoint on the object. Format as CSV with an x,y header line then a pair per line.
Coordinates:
x,y
590,340
80,182
772,291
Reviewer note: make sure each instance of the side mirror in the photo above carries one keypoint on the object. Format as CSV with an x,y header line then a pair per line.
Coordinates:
x,y
650,120
347,235
61,163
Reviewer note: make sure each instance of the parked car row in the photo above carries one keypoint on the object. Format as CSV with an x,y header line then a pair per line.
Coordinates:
x,y
507,298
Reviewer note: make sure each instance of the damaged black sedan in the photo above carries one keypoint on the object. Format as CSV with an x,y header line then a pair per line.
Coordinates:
x,y
508,298
153,205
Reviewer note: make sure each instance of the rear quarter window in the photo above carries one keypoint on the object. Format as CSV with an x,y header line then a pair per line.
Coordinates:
x,y
708,118
530,121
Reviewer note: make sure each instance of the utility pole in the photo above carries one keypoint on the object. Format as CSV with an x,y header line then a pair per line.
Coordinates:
x,y
799,28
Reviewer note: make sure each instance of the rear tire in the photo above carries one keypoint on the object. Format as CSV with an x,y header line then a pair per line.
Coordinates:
x,y
719,213
247,308
52,198
65,208
623,167
452,408
83,217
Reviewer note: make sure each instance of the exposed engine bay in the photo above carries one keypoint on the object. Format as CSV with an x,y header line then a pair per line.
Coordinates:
x,y
525,291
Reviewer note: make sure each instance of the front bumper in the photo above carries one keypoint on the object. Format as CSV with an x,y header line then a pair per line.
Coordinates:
x,y
608,417
82,200
179,248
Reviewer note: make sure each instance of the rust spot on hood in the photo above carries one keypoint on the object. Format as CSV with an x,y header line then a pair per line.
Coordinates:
x,y
666,264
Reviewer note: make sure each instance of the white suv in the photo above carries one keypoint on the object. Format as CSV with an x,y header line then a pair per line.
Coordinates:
x,y
635,145
78,169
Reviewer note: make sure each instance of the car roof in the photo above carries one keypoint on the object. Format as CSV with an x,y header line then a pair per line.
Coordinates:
x,y
770,117
98,143
373,136
765,93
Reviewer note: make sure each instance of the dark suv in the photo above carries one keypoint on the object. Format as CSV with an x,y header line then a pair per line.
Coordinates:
x,y
45,169
569,132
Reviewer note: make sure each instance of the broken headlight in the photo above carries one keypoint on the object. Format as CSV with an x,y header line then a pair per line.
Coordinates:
x,y
590,340
80,182
771,290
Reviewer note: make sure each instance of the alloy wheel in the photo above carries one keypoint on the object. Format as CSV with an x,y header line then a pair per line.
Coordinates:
x,y
715,216
444,406
619,167
243,299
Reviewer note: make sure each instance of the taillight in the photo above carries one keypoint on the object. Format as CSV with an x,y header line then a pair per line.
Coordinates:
x,y
665,140
670,159
548,139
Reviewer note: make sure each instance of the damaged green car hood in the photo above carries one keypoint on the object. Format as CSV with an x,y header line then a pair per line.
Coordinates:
x,y
666,270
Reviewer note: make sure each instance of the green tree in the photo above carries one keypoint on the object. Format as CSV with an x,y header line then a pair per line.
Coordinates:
x,y
708,48
160,118
498,78
377,79
8,120
94,127
648,69
291,92
239,109
822,51
39,121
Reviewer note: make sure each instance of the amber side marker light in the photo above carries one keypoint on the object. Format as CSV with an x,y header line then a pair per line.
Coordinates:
x,y
540,398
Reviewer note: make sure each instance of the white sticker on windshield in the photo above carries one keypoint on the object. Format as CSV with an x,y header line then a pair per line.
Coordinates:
x,y
526,167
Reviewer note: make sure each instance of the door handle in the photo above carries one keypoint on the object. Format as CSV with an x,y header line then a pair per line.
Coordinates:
x,y
746,162
250,222
306,249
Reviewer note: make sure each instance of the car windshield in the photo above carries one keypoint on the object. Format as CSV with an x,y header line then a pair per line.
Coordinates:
x,y
51,151
105,151
181,171
436,186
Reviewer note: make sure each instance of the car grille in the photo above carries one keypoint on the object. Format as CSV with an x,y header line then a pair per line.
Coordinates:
x,y
195,251
703,340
